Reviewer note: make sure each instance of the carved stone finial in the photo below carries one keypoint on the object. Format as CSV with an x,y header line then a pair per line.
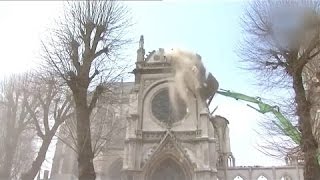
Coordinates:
x,y
141,51
141,42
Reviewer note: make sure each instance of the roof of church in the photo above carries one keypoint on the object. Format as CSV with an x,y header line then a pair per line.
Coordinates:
x,y
118,87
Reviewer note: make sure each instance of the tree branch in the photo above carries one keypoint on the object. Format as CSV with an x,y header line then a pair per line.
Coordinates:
x,y
35,120
100,52
96,95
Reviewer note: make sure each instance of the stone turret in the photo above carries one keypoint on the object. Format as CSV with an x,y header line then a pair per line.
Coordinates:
x,y
141,51
140,60
226,158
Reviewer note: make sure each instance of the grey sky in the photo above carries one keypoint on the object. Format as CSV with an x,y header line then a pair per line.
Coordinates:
x,y
211,28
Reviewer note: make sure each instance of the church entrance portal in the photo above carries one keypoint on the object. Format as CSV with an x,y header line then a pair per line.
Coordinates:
x,y
168,170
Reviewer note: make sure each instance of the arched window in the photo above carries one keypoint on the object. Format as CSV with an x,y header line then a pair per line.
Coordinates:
x,y
231,162
262,177
220,161
285,177
238,178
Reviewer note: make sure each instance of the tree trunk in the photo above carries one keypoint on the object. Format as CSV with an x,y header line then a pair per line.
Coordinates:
x,y
10,150
309,144
6,168
36,165
85,154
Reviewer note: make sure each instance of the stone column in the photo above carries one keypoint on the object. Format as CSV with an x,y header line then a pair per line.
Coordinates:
x,y
206,155
204,122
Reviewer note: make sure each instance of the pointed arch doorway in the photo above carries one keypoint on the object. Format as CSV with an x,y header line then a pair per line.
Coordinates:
x,y
168,169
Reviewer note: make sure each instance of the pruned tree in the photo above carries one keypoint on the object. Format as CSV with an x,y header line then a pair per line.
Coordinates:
x,y
282,37
84,50
277,144
55,107
312,85
25,152
106,125
15,124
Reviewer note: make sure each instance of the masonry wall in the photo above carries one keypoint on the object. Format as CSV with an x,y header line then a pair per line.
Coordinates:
x,y
264,173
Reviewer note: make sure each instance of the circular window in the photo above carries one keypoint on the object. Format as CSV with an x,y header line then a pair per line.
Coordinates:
x,y
162,108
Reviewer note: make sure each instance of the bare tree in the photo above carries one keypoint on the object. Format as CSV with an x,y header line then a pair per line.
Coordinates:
x,y
25,152
276,143
14,97
282,38
106,126
54,109
84,51
312,86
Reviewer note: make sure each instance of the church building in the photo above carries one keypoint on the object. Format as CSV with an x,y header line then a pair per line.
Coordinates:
x,y
155,144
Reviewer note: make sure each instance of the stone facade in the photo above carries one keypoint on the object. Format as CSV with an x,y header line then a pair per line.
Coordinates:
x,y
158,145
265,173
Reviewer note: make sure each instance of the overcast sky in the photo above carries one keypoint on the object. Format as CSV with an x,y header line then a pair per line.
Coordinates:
x,y
211,28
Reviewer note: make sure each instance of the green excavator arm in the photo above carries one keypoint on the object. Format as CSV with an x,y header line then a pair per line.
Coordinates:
x,y
237,96
283,123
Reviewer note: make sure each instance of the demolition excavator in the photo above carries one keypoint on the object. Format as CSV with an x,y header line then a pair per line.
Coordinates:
x,y
283,123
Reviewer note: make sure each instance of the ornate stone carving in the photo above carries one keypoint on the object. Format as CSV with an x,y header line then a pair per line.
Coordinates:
x,y
198,132
155,64
139,134
147,83
149,55
152,136
185,135
168,146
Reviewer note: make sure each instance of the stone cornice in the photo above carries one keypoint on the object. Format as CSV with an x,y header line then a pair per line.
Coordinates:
x,y
206,170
